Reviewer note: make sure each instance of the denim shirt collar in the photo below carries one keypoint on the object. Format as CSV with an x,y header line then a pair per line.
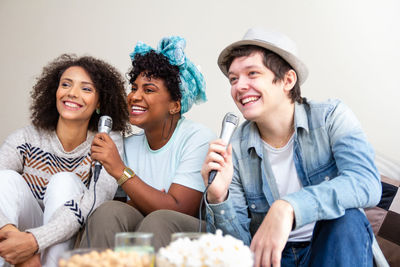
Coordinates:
x,y
254,140
300,116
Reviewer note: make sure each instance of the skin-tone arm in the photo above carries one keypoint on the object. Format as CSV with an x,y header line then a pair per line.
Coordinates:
x,y
144,197
17,247
272,235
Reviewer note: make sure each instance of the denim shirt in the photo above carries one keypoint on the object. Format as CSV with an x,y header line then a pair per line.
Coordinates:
x,y
333,160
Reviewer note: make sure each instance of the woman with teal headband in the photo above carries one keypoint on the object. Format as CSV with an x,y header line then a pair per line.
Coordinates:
x,y
160,171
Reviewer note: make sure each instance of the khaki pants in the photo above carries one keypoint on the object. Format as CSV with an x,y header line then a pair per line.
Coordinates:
x,y
114,216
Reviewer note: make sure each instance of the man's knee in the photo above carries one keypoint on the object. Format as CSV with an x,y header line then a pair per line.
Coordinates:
x,y
353,222
350,236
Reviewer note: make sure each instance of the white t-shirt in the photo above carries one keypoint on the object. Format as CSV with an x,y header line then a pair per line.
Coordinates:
x,y
179,161
282,165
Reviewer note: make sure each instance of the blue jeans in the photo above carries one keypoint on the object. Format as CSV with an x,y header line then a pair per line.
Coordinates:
x,y
345,241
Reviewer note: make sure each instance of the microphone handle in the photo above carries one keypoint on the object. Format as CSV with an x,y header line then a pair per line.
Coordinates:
x,y
211,176
97,169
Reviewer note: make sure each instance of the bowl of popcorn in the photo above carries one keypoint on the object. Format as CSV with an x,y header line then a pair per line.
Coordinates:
x,y
207,250
104,258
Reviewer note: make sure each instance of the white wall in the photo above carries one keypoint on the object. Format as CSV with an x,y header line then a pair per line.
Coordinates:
x,y
350,47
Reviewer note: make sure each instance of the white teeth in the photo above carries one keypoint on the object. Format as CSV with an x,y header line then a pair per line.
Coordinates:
x,y
137,108
249,99
72,105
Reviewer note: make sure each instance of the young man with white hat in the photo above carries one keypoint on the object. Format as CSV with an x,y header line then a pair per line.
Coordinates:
x,y
296,172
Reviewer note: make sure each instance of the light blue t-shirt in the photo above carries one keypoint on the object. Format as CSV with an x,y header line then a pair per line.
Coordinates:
x,y
179,161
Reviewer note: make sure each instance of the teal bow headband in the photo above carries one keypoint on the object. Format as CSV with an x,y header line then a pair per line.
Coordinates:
x,y
192,84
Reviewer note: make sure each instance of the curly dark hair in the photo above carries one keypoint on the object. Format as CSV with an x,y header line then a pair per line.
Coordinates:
x,y
108,83
154,65
271,60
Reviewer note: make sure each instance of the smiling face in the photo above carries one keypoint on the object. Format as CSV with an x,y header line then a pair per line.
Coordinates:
x,y
76,96
150,103
253,89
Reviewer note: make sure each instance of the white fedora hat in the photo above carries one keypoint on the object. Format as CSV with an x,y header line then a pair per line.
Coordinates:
x,y
273,41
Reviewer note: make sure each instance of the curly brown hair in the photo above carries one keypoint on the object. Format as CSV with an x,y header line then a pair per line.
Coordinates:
x,y
272,61
108,83
155,65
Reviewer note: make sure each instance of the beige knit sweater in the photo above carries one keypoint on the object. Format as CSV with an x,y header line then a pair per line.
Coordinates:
x,y
37,155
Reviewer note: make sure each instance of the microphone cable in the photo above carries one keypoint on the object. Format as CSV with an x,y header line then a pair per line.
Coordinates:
x,y
204,198
96,174
104,126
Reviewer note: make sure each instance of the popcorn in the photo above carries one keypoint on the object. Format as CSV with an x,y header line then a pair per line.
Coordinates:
x,y
108,258
208,251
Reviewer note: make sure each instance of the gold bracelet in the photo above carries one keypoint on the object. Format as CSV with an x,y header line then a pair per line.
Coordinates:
x,y
127,174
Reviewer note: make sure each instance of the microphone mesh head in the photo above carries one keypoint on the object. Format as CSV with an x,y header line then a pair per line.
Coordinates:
x,y
105,124
229,124
232,118
108,123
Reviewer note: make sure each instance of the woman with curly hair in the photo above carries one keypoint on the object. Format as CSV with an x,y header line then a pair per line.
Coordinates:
x,y
160,170
46,167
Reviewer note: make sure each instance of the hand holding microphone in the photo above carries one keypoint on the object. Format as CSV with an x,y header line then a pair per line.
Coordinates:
x,y
104,126
229,125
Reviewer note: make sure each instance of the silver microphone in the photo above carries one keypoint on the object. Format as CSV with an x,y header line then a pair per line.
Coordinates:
x,y
104,126
229,125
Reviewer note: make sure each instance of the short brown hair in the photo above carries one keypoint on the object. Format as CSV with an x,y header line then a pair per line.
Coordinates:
x,y
271,60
